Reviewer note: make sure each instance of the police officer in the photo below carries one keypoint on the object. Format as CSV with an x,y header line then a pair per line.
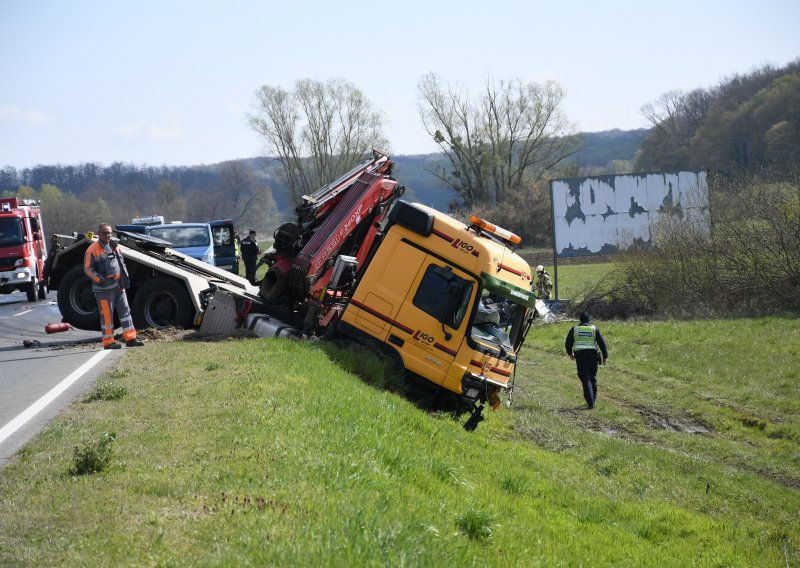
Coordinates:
x,y
250,252
582,344
104,266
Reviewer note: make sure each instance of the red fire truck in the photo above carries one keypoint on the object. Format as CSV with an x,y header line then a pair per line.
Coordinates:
x,y
22,248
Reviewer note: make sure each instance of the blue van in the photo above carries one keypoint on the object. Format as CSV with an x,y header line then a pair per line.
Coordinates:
x,y
192,239
223,238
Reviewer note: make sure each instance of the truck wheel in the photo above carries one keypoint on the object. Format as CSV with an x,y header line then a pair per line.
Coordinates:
x,y
30,290
42,293
162,302
76,300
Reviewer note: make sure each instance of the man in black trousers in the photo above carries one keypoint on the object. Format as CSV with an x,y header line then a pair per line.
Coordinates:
x,y
250,252
585,343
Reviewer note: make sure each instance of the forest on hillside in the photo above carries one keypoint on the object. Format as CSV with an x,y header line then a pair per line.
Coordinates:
x,y
749,123
119,191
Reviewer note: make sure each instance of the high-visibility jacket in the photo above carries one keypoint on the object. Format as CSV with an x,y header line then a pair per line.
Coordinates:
x,y
104,267
585,337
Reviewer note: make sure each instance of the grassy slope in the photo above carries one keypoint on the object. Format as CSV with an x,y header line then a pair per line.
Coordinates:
x,y
253,452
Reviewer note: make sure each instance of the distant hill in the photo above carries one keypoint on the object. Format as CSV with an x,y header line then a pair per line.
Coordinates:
x,y
413,171
602,148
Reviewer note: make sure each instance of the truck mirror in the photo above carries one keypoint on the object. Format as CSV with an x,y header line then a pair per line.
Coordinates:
x,y
35,225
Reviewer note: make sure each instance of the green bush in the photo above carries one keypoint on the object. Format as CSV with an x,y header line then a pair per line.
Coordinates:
x,y
748,261
93,457
106,391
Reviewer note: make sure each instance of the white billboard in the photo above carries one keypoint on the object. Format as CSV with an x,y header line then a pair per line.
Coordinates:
x,y
606,214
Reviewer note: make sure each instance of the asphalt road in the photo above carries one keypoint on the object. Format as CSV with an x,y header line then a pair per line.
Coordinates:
x,y
40,379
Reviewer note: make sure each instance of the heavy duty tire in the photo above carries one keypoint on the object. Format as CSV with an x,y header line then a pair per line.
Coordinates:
x,y
76,300
42,290
30,290
162,302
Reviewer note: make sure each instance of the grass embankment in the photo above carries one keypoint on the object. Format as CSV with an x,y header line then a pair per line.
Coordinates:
x,y
266,452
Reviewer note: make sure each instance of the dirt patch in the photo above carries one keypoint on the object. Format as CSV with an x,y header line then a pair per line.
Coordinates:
x,y
662,421
589,420
544,438
179,334
165,334
86,344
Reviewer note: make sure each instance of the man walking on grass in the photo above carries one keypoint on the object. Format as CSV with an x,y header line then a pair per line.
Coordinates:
x,y
584,344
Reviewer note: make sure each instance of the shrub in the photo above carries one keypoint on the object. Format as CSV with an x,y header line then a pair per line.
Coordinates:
x,y
526,212
747,261
93,457
106,391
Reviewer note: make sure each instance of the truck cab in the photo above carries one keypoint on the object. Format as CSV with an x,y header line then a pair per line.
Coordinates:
x,y
431,298
22,248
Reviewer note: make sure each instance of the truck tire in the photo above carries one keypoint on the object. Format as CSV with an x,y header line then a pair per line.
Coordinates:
x,y
162,302
30,290
76,300
42,294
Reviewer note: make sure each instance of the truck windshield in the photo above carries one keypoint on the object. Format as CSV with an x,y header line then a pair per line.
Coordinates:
x,y
183,236
11,233
502,316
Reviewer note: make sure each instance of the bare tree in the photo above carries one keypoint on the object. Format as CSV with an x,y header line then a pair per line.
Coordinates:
x,y
169,200
317,131
237,194
507,139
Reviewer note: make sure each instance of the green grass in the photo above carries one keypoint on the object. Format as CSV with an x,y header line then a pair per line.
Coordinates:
x,y
575,280
269,452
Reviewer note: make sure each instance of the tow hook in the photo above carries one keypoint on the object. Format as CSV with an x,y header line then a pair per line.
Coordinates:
x,y
475,418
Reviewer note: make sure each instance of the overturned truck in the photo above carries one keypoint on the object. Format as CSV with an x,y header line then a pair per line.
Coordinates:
x,y
448,302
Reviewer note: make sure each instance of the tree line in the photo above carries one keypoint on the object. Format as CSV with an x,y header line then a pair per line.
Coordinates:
x,y
748,123
78,198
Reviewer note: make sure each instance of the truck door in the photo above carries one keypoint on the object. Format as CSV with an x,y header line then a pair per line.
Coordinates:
x,y
224,245
434,314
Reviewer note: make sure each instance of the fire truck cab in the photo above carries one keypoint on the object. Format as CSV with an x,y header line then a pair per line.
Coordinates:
x,y
22,248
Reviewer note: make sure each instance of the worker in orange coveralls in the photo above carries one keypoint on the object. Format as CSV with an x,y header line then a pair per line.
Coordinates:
x,y
103,264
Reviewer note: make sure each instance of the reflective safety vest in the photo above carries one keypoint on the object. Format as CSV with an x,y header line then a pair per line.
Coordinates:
x,y
584,336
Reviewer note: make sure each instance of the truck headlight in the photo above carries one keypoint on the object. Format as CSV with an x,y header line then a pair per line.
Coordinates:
x,y
20,275
20,262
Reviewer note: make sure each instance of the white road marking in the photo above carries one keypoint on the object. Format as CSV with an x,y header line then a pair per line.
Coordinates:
x,y
42,403
23,313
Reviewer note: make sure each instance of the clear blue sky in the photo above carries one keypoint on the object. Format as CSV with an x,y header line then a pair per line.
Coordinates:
x,y
171,82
